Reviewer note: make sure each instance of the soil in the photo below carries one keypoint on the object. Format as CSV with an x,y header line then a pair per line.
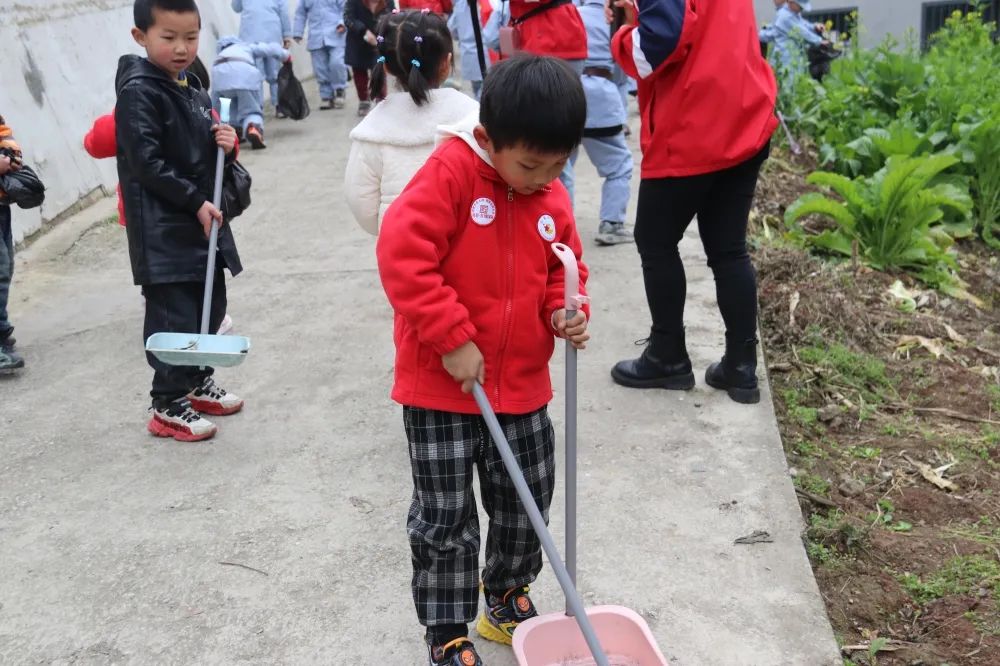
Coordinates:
x,y
856,440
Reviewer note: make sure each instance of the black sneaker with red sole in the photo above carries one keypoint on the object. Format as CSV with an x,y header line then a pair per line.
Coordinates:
x,y
459,652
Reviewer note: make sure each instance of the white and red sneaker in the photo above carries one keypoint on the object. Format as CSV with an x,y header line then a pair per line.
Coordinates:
x,y
179,421
210,398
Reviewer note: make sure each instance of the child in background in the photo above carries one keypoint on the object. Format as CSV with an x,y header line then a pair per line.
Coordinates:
x,y
265,21
397,137
361,18
10,160
237,78
604,136
327,39
466,312
167,145
460,24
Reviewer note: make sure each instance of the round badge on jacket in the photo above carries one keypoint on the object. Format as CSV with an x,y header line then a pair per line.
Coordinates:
x,y
547,227
484,211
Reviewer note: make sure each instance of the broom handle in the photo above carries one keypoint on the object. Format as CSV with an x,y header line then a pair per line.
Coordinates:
x,y
538,523
573,301
213,238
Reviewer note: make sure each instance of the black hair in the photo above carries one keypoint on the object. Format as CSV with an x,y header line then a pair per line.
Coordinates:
x,y
423,43
534,101
385,33
142,10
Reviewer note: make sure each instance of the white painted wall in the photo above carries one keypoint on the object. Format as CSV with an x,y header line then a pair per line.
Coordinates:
x,y
57,74
878,17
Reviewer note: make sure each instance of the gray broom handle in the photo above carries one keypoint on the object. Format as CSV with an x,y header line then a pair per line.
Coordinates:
x,y
213,242
570,461
213,238
538,523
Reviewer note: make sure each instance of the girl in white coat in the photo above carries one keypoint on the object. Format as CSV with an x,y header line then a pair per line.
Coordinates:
x,y
397,137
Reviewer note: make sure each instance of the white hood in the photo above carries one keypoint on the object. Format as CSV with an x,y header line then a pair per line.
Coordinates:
x,y
397,121
463,130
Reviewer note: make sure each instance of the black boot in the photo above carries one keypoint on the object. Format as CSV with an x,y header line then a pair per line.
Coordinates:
x,y
664,363
736,374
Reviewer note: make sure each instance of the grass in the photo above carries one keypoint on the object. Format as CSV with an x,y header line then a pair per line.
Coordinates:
x,y
830,537
809,448
963,574
805,416
813,484
993,393
858,371
865,452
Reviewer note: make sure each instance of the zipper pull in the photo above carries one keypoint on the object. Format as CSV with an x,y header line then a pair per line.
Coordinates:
x,y
510,193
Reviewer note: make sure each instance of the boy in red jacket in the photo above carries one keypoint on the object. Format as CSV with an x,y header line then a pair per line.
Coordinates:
x,y
465,258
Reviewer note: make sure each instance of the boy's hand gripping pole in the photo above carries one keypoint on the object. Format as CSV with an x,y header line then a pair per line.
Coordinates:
x,y
574,301
213,238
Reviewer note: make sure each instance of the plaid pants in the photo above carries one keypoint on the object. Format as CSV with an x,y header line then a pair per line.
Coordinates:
x,y
443,525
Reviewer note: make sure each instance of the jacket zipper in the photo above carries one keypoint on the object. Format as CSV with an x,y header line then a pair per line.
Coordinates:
x,y
509,289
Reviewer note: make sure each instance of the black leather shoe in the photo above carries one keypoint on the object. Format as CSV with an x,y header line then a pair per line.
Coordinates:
x,y
736,373
664,363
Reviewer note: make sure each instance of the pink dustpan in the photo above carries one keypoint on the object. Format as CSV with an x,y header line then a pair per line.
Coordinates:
x,y
605,635
555,639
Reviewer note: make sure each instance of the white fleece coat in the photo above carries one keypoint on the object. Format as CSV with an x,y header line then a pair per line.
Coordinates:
x,y
391,144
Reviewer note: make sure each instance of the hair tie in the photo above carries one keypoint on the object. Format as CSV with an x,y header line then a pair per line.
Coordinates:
x,y
395,11
418,39
425,10
415,63
380,59
380,39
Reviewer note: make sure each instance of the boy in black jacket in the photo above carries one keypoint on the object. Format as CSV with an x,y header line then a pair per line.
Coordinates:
x,y
167,141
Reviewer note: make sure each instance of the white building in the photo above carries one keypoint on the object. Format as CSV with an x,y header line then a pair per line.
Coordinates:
x,y
878,18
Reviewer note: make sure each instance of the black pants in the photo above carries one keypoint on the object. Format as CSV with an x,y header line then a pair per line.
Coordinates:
x,y
176,308
721,200
443,526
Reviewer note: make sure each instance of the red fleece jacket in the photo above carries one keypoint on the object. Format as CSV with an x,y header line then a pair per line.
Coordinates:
x,y
463,257
706,94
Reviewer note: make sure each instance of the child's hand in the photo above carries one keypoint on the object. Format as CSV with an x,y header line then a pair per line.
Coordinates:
x,y
206,214
370,38
225,137
574,330
5,166
465,365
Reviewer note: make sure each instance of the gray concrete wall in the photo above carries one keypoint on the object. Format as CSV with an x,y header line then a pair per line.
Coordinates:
x,y
57,75
878,17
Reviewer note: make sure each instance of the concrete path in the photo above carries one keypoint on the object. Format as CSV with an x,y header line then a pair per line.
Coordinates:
x,y
119,548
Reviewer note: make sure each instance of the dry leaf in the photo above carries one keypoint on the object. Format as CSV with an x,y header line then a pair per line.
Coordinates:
x,y
991,372
934,475
934,345
906,299
955,335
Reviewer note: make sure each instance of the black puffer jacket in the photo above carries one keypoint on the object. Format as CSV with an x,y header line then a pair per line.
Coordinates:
x,y
359,19
166,166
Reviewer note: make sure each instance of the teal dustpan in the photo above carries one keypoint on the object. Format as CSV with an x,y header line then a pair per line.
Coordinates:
x,y
202,349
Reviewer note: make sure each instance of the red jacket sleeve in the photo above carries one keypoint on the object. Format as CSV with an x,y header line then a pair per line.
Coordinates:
x,y
663,36
100,140
416,234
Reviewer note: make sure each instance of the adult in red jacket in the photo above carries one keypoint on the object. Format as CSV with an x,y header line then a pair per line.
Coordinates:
x,y
442,7
549,28
706,99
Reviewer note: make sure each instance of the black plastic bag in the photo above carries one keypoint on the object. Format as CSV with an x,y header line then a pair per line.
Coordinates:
x,y
23,187
236,183
291,97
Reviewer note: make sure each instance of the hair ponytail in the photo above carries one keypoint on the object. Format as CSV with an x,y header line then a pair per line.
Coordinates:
x,y
423,45
385,34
